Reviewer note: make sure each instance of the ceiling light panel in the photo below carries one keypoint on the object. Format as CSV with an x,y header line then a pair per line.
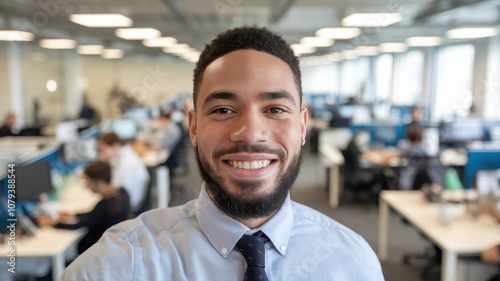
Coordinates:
x,y
372,19
137,33
317,41
15,35
340,33
101,20
58,43
113,53
160,42
471,33
90,49
424,41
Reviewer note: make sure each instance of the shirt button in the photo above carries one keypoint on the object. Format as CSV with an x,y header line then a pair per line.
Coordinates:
x,y
283,247
223,250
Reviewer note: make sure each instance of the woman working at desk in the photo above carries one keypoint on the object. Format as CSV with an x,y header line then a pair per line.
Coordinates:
x,y
113,208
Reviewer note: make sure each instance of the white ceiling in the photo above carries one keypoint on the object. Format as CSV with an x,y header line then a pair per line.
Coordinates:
x,y
195,22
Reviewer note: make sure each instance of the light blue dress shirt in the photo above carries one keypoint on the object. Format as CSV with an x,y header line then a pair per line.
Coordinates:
x,y
196,242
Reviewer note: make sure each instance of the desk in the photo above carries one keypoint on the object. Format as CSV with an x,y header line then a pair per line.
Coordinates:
x,y
48,242
336,159
463,236
383,157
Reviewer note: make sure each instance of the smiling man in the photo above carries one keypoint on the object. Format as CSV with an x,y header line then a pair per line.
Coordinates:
x,y
248,126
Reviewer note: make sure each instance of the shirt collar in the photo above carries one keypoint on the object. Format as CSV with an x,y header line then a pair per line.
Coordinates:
x,y
223,232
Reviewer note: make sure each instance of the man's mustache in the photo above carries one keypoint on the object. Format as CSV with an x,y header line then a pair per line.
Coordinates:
x,y
249,149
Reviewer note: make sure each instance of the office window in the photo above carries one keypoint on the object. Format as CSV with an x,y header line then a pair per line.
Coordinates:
x,y
453,96
320,79
408,85
354,75
383,77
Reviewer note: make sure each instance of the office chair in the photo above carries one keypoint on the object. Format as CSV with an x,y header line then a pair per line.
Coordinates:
x,y
364,183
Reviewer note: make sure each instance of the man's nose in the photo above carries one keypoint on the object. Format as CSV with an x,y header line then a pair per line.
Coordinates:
x,y
251,127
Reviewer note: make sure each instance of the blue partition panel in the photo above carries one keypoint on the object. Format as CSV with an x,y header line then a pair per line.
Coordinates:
x,y
480,159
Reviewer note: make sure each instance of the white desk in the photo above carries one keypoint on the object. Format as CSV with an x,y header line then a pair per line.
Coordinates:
x,y
335,159
463,236
48,242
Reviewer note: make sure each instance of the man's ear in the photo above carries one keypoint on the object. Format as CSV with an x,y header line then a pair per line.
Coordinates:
x,y
192,125
303,123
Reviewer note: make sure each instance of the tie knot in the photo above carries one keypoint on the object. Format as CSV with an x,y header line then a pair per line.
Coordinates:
x,y
253,250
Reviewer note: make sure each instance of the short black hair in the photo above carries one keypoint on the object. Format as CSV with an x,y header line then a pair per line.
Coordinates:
x,y
242,38
98,171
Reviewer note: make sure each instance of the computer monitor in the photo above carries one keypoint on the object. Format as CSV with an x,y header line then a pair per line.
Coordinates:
x,y
32,180
463,131
386,133
139,114
126,129
84,150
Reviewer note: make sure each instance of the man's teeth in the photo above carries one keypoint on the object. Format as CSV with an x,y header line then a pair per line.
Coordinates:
x,y
250,165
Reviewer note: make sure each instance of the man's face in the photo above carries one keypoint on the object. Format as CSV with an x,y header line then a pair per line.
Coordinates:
x,y
248,130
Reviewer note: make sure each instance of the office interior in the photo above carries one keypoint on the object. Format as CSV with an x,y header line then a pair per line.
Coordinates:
x,y
363,81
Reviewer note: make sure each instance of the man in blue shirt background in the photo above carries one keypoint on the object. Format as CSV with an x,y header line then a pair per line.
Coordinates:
x,y
248,127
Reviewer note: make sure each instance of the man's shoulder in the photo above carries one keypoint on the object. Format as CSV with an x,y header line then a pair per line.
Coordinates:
x,y
161,220
305,216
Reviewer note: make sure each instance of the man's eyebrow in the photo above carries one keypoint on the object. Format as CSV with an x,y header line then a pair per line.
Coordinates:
x,y
276,95
220,96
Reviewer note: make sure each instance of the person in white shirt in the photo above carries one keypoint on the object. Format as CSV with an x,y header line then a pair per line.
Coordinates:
x,y
128,171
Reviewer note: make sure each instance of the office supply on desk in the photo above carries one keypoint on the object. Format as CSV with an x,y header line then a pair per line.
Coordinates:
x,y
32,180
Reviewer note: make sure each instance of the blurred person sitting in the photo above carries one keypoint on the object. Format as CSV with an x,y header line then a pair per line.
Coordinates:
x,y
416,119
168,134
113,208
416,159
127,171
6,129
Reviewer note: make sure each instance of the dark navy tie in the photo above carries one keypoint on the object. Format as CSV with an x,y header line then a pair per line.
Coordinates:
x,y
253,250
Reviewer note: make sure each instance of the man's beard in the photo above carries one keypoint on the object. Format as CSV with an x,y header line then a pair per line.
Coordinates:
x,y
248,205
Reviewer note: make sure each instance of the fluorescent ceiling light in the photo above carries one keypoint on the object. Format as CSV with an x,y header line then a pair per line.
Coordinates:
x,y
338,32
112,53
372,19
160,42
349,54
137,33
424,41
101,20
177,49
393,47
90,49
367,51
470,33
299,49
58,43
15,35
316,41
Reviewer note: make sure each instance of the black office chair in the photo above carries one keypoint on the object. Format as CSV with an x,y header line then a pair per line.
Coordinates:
x,y
178,155
365,184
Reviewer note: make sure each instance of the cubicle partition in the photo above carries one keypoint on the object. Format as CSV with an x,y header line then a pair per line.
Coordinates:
x,y
487,158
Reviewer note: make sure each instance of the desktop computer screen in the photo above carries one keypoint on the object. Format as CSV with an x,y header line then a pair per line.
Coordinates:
x,y
84,150
126,129
462,131
32,180
139,113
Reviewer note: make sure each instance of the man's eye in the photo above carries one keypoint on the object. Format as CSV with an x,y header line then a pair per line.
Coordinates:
x,y
275,110
222,111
